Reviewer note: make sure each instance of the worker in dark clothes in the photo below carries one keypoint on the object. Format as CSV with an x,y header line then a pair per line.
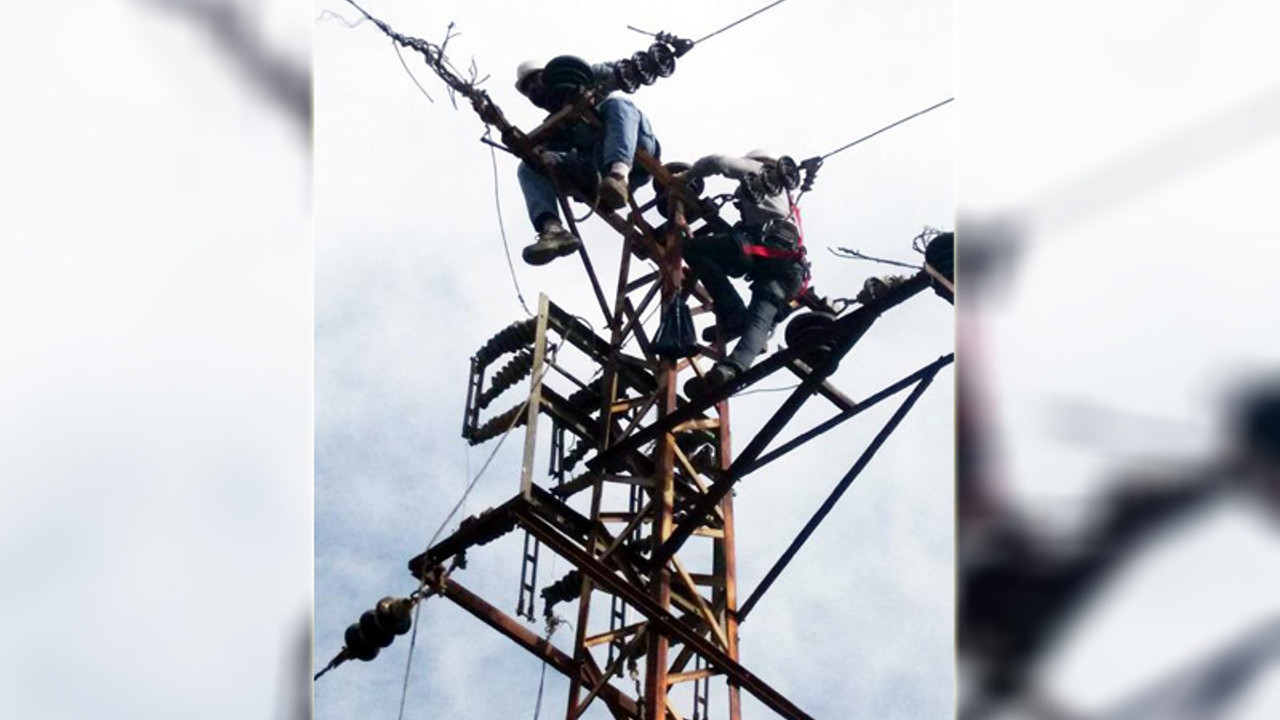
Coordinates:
x,y
764,247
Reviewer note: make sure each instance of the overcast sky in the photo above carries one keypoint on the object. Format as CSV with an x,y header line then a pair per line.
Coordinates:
x,y
155,389
411,279
155,302
1138,145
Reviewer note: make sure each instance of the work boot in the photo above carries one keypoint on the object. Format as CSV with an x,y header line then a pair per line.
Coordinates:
x,y
613,192
553,242
698,387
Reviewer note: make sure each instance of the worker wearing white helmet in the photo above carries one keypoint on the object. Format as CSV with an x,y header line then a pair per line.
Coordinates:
x,y
584,152
764,247
525,70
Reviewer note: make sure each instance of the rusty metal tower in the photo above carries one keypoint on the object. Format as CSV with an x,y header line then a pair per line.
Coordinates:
x,y
635,493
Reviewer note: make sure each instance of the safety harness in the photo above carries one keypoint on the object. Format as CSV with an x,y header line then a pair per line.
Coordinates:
x,y
754,245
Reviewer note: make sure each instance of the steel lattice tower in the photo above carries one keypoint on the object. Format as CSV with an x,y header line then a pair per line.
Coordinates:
x,y
636,496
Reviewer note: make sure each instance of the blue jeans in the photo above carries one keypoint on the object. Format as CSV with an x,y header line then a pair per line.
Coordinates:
x,y
625,130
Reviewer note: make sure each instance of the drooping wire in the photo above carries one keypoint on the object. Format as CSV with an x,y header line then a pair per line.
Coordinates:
x,y
417,609
542,681
846,253
405,65
502,228
920,243
738,21
553,624
768,390
331,15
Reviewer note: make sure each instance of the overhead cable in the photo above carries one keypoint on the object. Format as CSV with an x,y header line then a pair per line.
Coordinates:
x,y
738,21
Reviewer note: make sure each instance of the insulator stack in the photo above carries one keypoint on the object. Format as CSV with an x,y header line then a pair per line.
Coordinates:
x,y
379,627
513,338
491,530
940,254
790,172
517,369
646,66
574,456
588,398
565,589
497,425
775,177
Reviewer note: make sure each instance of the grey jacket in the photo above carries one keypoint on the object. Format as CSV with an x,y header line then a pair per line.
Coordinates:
x,y
775,208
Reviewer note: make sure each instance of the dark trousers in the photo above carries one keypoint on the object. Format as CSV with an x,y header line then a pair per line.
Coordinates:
x,y
715,259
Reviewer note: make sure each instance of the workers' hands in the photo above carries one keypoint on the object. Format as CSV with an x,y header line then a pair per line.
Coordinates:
x,y
688,178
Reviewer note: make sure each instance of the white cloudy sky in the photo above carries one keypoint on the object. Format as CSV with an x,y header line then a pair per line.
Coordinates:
x,y
155,390
1139,143
410,280
156,268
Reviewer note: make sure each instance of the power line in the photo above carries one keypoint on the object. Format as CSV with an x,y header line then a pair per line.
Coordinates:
x,y
767,390
738,21
331,15
417,609
502,228
845,252
842,148
405,65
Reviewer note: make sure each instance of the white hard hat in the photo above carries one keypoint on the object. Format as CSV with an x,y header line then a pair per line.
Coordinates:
x,y
761,154
527,68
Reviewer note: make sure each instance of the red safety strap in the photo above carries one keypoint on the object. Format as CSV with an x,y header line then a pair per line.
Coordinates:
x,y
772,253
795,211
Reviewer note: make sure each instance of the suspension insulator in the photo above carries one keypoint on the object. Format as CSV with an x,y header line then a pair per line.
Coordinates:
x,y
586,399
483,530
646,69
789,171
513,372
395,614
514,337
574,456
771,180
664,60
626,75
940,254
752,187
565,76
812,329
497,425
563,590
373,632
357,646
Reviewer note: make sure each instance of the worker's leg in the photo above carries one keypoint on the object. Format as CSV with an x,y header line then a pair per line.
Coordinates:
x,y
553,239
539,196
712,259
769,296
625,129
